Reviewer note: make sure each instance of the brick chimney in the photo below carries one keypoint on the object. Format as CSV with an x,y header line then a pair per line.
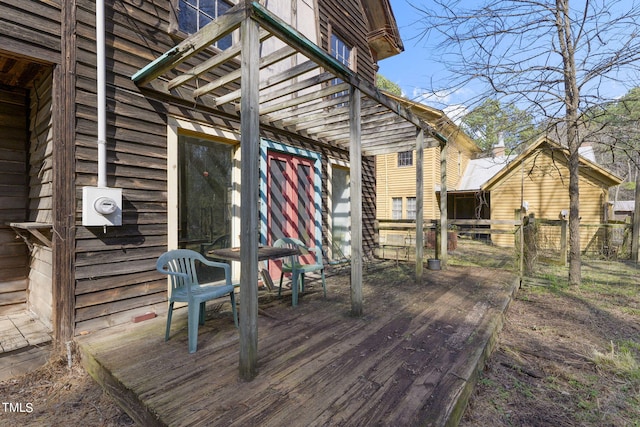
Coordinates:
x,y
498,150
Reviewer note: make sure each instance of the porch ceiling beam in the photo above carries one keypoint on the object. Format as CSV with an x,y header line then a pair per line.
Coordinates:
x,y
387,149
193,44
305,98
268,60
319,105
293,72
392,128
339,124
292,37
212,62
296,87
323,118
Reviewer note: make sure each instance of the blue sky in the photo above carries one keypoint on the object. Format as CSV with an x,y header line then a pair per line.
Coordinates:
x,y
414,68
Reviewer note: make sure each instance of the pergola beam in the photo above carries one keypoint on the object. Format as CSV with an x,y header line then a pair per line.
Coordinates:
x,y
193,44
328,91
268,60
212,63
291,73
296,87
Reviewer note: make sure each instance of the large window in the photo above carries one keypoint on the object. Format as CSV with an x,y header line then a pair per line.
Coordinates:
x,y
405,158
205,191
340,209
195,14
342,52
411,208
396,208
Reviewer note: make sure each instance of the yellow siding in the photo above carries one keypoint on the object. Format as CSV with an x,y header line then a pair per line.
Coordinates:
x,y
543,184
393,181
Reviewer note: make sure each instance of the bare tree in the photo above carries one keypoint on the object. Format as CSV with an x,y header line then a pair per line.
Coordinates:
x,y
551,59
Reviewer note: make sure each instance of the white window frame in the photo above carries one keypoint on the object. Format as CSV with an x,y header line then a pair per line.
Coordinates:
x,y
175,127
396,212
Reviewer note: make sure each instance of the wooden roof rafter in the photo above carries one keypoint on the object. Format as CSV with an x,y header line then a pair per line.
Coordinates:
x,y
295,99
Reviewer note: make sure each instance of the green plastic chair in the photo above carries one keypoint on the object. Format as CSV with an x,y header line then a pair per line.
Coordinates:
x,y
293,265
180,265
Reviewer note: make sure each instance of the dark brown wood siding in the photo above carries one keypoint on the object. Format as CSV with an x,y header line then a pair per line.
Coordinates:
x,y
14,255
31,28
115,270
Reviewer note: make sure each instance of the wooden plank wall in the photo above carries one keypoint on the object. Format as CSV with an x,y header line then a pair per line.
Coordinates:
x,y
115,271
31,28
14,255
41,195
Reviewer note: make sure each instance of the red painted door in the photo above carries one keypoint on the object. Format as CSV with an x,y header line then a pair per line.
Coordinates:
x,y
290,207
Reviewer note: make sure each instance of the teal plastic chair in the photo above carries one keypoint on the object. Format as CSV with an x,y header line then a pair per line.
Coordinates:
x,y
293,265
180,265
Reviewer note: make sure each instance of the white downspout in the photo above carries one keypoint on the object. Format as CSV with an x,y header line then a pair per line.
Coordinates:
x,y
102,98
101,206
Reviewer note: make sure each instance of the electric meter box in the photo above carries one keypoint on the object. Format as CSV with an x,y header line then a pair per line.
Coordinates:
x,y
101,206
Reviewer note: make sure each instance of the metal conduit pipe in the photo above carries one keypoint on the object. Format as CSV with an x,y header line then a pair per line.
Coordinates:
x,y
102,97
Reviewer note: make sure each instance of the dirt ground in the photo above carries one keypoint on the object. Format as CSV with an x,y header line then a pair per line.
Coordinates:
x,y
565,357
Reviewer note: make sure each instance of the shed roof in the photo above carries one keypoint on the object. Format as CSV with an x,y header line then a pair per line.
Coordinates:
x,y
484,173
624,206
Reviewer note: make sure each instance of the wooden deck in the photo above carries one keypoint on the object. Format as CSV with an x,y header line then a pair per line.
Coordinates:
x,y
24,344
412,359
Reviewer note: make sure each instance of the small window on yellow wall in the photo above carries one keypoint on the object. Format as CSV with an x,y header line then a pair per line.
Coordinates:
x,y
405,158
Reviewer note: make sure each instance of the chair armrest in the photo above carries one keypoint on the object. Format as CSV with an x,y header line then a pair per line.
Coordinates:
x,y
226,267
317,251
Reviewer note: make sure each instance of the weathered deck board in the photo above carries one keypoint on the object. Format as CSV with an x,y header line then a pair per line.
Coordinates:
x,y
410,359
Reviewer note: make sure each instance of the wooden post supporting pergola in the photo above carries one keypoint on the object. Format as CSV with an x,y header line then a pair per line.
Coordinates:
x,y
300,99
355,188
635,228
419,205
443,206
249,163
